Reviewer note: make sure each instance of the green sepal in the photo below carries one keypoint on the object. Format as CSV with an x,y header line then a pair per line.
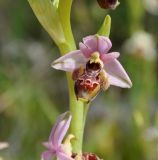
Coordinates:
x,y
105,28
54,16
46,13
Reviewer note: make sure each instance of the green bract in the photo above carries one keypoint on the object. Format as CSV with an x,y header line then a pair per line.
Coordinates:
x,y
105,28
54,16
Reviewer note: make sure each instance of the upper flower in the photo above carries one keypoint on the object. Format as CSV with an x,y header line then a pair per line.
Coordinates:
x,y
95,49
108,4
57,149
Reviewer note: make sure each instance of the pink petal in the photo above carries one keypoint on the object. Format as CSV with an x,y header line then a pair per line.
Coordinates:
x,y
91,43
60,129
117,74
104,44
95,43
63,156
47,155
85,50
110,56
70,61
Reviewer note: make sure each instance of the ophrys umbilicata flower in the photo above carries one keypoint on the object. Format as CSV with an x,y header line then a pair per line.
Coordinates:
x,y
55,148
93,67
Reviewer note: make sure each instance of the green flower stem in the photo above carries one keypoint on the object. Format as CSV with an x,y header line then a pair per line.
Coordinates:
x,y
77,109
86,108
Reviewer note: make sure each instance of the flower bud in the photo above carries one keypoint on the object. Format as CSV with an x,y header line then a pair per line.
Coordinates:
x,y
108,4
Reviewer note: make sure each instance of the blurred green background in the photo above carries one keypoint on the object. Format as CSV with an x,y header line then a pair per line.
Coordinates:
x,y
122,124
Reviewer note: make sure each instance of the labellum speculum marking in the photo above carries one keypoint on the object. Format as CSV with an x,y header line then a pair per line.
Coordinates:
x,y
89,80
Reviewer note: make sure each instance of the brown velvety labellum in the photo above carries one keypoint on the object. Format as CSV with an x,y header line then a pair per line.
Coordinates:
x,y
87,82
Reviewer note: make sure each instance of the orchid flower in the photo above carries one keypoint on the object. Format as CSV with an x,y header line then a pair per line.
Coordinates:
x,y
57,149
92,62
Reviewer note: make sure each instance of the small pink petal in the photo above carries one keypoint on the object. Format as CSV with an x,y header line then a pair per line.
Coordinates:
x,y
70,61
117,74
63,156
91,43
60,129
47,155
104,44
108,57
95,43
85,50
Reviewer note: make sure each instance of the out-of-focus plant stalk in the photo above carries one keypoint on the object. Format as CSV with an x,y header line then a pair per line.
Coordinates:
x,y
135,15
142,69
142,92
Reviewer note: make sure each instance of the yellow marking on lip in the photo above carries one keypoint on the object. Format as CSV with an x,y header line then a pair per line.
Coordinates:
x,y
95,58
